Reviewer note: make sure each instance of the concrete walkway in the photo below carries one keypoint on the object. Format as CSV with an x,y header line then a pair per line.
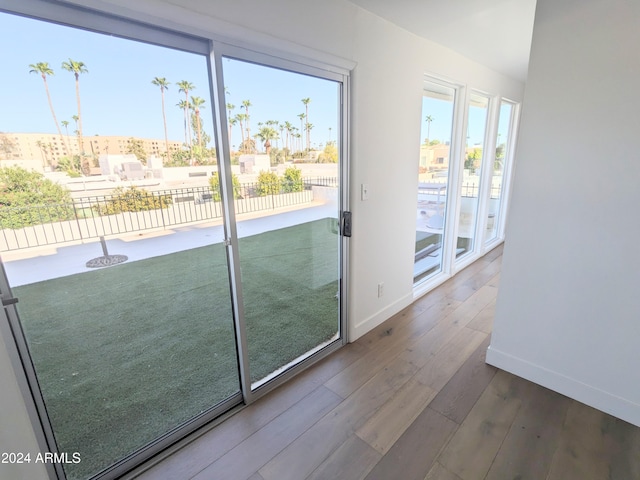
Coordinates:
x,y
45,263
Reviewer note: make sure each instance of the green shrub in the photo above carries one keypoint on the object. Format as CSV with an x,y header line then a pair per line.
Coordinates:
x,y
268,184
292,180
214,183
28,198
132,200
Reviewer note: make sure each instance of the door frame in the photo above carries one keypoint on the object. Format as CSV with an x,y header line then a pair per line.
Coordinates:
x,y
222,49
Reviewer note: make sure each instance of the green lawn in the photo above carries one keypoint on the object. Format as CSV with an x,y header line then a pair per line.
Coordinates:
x,y
126,353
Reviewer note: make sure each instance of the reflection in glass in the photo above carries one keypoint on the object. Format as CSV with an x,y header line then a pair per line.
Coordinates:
x,y
437,126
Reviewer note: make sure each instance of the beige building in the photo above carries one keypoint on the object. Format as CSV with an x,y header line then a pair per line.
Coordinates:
x,y
50,148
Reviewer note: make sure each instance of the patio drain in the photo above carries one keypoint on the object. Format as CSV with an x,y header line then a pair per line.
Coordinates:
x,y
106,260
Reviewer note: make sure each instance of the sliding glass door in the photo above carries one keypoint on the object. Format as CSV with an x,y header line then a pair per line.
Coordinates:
x,y
129,325
283,129
170,229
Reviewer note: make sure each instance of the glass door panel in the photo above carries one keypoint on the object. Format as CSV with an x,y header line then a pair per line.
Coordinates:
x,y
111,237
437,128
497,178
472,168
283,128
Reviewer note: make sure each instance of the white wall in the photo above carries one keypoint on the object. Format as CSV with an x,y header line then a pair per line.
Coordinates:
x,y
386,116
568,311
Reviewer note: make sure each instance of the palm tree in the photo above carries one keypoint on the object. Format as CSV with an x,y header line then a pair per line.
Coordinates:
x,y
246,104
196,103
308,127
302,116
164,85
241,117
230,107
281,128
288,126
182,104
429,119
266,134
232,121
185,87
77,68
45,70
306,101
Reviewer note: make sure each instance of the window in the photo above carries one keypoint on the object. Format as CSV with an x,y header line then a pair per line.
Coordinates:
x,y
438,106
471,172
500,164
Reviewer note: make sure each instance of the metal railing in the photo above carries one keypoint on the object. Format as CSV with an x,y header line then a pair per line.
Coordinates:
x,y
134,210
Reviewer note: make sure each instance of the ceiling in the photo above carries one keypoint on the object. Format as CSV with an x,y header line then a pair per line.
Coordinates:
x,y
496,33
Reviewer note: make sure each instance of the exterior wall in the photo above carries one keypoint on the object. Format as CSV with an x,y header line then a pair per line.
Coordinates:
x,y
568,307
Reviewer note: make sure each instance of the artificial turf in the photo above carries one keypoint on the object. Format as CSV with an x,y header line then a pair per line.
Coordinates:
x,y
126,353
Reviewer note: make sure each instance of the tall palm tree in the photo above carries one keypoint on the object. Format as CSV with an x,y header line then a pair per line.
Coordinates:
x,y
164,85
246,104
184,105
232,122
230,107
185,87
241,117
45,70
308,126
306,101
77,68
429,119
281,128
302,116
288,126
197,103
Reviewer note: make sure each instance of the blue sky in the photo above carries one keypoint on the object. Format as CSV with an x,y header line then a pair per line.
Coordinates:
x,y
117,95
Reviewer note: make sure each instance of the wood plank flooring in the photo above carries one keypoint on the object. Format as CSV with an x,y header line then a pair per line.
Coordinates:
x,y
414,399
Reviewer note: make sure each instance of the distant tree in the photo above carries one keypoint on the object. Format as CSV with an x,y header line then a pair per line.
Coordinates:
x,y
266,134
44,70
472,158
232,120
136,147
241,118
329,154
306,102
77,68
301,116
185,87
28,198
429,119
196,104
246,104
164,85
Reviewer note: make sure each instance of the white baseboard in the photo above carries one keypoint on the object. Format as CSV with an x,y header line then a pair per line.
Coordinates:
x,y
359,329
594,397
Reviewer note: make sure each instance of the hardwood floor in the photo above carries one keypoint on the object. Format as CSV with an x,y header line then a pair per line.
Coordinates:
x,y
413,399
